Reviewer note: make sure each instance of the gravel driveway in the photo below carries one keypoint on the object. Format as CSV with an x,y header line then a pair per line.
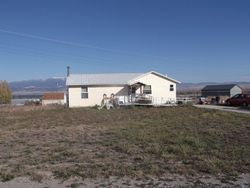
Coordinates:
x,y
224,108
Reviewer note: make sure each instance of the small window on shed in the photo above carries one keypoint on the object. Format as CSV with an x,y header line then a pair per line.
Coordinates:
x,y
147,89
171,87
84,93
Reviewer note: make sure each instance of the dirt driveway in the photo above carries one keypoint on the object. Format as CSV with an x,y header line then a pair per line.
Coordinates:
x,y
224,108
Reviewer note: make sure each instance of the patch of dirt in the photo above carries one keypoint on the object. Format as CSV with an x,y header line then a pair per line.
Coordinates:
x,y
113,181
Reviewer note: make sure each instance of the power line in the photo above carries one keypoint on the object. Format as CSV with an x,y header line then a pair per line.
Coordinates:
x,y
58,58
68,43
41,53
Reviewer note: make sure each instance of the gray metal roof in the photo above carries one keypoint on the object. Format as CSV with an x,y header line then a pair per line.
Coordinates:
x,y
101,79
225,87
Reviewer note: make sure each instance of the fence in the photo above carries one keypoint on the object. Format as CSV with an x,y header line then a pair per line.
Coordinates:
x,y
144,100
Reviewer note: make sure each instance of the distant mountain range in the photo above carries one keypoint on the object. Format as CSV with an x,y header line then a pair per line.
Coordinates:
x,y
58,84
37,86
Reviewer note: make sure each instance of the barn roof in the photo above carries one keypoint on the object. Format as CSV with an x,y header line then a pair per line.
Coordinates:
x,y
224,87
107,79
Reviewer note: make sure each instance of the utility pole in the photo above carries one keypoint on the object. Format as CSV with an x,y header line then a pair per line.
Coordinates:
x,y
67,88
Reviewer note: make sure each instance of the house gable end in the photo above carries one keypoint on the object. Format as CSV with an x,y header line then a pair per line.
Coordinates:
x,y
134,80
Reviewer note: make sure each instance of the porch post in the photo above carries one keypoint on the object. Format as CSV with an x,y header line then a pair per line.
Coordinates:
x,y
140,89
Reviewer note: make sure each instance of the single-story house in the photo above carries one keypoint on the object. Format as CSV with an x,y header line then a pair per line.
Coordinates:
x,y
53,98
222,91
90,89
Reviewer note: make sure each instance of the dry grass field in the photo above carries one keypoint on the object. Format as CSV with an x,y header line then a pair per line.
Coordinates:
x,y
131,142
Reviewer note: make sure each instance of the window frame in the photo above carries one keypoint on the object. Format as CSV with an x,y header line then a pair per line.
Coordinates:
x,y
236,96
147,91
171,87
84,94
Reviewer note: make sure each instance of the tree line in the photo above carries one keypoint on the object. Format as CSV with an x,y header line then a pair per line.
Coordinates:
x,y
5,93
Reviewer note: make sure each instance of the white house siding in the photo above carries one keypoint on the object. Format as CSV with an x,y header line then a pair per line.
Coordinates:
x,y
235,90
160,88
95,94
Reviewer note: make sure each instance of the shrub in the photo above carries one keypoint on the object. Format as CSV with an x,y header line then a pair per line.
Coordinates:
x,y
5,93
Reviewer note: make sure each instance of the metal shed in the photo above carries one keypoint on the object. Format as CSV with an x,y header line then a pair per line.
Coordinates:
x,y
228,90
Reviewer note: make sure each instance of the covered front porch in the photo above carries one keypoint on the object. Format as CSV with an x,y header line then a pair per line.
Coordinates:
x,y
140,93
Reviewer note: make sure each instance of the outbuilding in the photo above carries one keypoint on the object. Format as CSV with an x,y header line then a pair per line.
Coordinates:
x,y
53,98
220,91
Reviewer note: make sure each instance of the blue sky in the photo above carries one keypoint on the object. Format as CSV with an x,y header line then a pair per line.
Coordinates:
x,y
190,40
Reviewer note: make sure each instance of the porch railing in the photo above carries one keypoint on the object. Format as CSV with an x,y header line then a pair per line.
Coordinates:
x,y
144,99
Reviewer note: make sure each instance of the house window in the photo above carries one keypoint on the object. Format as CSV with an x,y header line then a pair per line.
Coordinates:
x,y
171,87
85,93
147,89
